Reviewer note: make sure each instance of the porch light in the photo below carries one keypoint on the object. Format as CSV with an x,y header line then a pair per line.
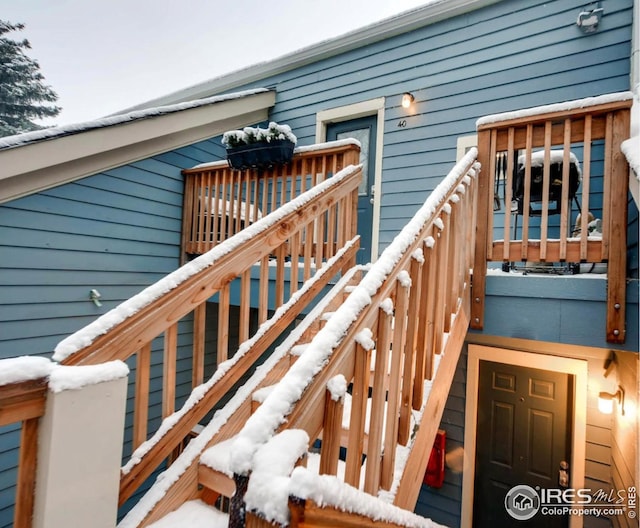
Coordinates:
x,y
606,399
407,99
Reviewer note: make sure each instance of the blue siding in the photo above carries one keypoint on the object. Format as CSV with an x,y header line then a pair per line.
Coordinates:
x,y
512,55
117,231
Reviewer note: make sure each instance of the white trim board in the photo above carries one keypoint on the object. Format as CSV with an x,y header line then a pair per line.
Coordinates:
x,y
41,165
574,367
354,111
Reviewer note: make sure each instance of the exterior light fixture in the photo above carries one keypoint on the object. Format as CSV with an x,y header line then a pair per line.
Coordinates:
x,y
407,99
606,399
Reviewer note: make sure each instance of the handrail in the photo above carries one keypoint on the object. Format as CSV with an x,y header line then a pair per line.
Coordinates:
x,y
534,220
23,400
181,298
421,282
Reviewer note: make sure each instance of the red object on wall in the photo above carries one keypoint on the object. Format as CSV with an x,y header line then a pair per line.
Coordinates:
x,y
434,475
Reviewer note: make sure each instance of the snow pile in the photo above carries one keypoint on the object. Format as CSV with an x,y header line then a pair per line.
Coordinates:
x,y
66,130
269,489
327,490
194,514
24,368
557,107
131,306
74,378
60,378
337,387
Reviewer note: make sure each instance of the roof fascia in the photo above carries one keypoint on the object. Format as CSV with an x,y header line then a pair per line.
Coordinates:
x,y
402,23
41,165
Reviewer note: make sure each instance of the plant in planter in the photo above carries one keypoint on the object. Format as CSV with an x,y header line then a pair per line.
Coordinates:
x,y
259,148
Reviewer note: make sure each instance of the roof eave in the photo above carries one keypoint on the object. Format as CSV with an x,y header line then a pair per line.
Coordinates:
x,y
40,165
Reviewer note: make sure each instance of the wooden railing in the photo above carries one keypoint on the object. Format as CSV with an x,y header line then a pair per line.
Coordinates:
x,y
24,402
412,309
547,206
181,298
220,201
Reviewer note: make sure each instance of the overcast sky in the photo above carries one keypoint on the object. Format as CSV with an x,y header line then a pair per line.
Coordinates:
x,y
102,56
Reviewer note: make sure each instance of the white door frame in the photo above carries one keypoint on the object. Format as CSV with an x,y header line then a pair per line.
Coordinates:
x,y
354,111
575,367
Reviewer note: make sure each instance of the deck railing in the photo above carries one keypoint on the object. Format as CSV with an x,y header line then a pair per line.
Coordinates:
x,y
149,322
219,201
24,402
402,325
566,203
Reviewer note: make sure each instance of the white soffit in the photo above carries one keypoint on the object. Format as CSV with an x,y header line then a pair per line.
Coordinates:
x,y
39,165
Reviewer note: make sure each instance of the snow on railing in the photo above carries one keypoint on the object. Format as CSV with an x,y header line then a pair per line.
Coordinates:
x,y
361,308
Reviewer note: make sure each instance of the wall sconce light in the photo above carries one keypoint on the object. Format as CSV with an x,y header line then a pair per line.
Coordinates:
x,y
407,99
588,19
606,399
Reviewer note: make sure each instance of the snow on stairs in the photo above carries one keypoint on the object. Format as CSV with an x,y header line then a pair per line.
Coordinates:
x,y
213,473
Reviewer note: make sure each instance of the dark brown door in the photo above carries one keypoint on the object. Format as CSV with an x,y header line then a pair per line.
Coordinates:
x,y
523,435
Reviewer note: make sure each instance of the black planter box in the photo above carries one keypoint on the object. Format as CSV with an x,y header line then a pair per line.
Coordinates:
x,y
261,155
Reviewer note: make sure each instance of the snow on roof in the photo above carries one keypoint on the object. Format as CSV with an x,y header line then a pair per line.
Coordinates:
x,y
120,313
557,107
65,130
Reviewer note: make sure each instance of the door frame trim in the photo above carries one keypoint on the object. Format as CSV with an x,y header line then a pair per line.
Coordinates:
x,y
372,107
574,367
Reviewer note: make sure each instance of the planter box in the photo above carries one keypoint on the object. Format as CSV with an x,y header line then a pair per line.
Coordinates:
x,y
261,155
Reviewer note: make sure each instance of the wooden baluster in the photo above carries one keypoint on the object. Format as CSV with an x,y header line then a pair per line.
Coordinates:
x,y
586,188
216,227
527,193
263,294
546,177
508,196
141,400
245,305
565,204
491,184
26,477
199,327
395,375
450,285
209,238
280,253
440,311
202,214
188,217
331,434
359,397
409,367
424,337
379,396
169,370
295,261
223,322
